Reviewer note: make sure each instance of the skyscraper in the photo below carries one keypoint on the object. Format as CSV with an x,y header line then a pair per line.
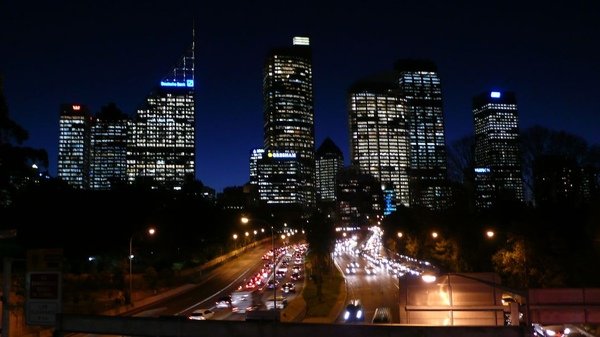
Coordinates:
x,y
278,176
289,114
420,87
328,163
359,198
73,145
379,134
497,159
162,143
109,135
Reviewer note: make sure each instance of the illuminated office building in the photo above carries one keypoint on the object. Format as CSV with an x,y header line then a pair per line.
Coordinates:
x,y
277,179
289,117
109,135
162,143
497,160
255,156
73,145
420,87
379,134
328,162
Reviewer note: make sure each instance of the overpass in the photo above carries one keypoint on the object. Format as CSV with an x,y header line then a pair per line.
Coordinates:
x,y
182,327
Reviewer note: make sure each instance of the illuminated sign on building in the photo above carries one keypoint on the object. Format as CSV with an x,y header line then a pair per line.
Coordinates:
x,y
282,155
389,197
495,94
482,170
301,41
76,107
186,84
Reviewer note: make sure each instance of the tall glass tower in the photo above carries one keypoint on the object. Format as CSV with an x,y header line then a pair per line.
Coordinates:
x,y
162,143
497,157
109,135
420,87
73,145
289,115
379,134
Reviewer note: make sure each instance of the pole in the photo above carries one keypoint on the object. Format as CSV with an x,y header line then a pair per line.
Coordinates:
x,y
130,257
274,266
6,277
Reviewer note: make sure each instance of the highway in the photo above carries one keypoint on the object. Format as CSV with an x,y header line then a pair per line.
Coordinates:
x,y
216,283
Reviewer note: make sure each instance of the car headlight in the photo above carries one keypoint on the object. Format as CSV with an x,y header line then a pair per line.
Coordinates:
x,y
359,314
346,315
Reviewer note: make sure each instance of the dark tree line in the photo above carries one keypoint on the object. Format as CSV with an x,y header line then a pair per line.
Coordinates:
x,y
535,245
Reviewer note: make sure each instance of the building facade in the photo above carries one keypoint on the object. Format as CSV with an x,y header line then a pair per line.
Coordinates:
x,y
162,143
329,160
360,200
289,119
74,144
497,157
420,86
379,135
108,144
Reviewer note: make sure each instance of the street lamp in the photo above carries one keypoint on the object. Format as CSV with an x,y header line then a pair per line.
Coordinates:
x,y
151,231
246,220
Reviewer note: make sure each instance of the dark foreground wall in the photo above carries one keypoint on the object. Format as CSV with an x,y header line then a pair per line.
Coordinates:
x,y
182,327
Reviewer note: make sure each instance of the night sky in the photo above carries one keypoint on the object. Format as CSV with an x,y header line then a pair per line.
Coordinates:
x,y
96,52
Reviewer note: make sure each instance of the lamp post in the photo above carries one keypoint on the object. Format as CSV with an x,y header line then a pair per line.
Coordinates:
x,y
520,239
151,231
245,220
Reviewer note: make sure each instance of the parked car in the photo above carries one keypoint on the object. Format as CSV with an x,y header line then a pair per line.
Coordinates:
x,y
201,314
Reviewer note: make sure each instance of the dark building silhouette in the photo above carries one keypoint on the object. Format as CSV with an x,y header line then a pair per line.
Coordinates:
x,y
329,160
360,199
561,181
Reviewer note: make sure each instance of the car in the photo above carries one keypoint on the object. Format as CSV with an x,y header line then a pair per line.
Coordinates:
x,y
201,314
224,302
280,302
272,284
382,315
288,287
354,311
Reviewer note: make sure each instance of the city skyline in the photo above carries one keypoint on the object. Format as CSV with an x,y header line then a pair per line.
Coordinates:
x,y
78,53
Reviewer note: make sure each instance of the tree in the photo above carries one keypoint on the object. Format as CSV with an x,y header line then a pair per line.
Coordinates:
x,y
461,159
16,161
538,141
321,241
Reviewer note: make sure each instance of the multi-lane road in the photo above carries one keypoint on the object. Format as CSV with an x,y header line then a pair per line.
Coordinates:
x,y
230,277
374,281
